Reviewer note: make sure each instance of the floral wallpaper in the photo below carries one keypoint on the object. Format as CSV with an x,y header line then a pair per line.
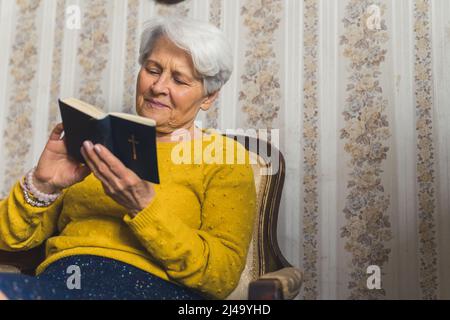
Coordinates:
x,y
215,16
181,9
132,52
93,52
366,131
310,149
260,95
425,150
352,207
18,125
53,114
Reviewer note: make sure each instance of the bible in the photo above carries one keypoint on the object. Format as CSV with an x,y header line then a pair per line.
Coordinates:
x,y
131,138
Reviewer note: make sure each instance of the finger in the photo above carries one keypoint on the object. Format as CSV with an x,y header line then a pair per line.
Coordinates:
x,y
100,165
56,132
115,165
107,188
97,166
89,163
93,168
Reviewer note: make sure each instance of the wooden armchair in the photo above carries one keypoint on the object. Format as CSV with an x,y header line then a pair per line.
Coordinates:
x,y
267,274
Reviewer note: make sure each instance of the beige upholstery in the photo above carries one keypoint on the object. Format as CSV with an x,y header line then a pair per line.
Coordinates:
x,y
251,271
8,269
290,279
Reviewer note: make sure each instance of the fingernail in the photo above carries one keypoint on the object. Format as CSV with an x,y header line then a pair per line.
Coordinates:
x,y
98,148
88,144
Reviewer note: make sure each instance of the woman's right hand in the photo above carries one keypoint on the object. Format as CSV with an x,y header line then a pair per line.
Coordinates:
x,y
56,170
2,296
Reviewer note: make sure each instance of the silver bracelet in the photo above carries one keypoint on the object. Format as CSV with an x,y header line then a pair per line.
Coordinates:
x,y
30,201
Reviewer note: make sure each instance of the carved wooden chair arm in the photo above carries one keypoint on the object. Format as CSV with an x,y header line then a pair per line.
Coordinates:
x,y
283,284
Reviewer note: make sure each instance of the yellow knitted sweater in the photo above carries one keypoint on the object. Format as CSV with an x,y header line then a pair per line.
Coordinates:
x,y
196,231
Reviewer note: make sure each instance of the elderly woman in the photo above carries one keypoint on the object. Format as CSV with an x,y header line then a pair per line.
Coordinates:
x,y
110,234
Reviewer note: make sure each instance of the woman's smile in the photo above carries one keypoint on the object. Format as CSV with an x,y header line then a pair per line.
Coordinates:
x,y
155,104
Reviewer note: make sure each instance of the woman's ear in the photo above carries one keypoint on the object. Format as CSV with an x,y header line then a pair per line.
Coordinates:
x,y
209,100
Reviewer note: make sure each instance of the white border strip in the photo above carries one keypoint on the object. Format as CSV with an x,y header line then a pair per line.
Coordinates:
x,y
44,78
8,14
290,225
147,11
200,11
328,112
69,86
116,64
405,148
230,92
441,64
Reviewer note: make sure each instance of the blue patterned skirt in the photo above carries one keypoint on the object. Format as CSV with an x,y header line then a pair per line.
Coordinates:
x,y
86,277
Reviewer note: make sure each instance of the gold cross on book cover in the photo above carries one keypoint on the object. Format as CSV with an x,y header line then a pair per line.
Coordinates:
x,y
134,142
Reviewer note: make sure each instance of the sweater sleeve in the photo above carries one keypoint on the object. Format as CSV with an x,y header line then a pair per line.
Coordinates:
x,y
22,226
212,258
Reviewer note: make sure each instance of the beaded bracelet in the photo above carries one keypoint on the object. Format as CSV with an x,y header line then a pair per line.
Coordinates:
x,y
32,195
29,198
43,197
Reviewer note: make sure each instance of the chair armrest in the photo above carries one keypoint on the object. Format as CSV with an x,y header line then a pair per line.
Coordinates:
x,y
281,284
8,269
10,260
25,261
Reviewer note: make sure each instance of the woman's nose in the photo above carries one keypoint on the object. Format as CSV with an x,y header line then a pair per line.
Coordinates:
x,y
160,85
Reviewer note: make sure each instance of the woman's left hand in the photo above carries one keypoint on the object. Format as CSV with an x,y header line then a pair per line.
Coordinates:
x,y
119,182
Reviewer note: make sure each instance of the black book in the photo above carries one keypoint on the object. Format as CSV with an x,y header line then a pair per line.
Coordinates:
x,y
130,138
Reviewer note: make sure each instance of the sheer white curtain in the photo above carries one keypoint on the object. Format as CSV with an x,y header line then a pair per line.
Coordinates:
x,y
358,90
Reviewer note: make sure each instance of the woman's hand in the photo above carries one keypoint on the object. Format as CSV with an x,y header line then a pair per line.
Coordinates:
x,y
119,182
56,170
2,296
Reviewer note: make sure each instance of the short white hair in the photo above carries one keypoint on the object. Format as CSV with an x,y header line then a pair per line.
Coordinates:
x,y
210,51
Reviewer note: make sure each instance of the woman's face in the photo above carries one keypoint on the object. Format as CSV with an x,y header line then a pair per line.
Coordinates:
x,y
169,89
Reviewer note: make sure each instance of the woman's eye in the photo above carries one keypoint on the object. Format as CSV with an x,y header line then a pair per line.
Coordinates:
x,y
179,81
153,71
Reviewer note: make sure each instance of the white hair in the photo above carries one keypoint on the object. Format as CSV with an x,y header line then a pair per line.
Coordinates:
x,y
210,51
